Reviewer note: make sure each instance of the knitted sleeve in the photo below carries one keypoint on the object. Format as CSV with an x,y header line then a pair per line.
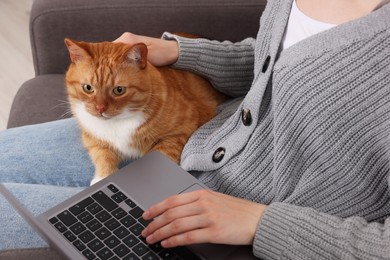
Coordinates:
x,y
228,66
291,232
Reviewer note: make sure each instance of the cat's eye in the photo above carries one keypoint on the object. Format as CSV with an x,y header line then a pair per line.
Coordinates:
x,y
119,91
88,88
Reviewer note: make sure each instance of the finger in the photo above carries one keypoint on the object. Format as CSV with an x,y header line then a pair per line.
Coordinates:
x,y
171,202
171,215
123,37
197,236
178,226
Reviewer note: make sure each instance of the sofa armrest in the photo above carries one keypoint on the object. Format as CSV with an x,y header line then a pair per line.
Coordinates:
x,y
101,20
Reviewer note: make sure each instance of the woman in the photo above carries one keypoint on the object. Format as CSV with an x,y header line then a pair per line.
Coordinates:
x,y
298,159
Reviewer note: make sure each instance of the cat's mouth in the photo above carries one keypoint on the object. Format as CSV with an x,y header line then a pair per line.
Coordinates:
x,y
104,116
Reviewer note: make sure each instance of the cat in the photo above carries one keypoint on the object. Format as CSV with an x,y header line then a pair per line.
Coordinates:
x,y
126,107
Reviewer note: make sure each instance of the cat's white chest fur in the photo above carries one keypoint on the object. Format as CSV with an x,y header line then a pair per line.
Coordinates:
x,y
117,131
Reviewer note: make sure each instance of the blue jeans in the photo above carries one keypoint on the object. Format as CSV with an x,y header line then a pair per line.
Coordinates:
x,y
41,165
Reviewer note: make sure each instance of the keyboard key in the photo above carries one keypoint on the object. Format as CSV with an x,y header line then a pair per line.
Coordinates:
x,y
61,227
140,249
53,220
156,247
67,218
121,250
94,225
103,216
131,241
150,256
130,203
112,242
119,213
137,229
80,207
86,236
89,254
103,233
105,201
77,228
112,224
131,257
69,235
94,208
122,196
121,232
95,245
128,221
105,253
116,198
85,217
167,254
136,212
79,245
113,188
144,222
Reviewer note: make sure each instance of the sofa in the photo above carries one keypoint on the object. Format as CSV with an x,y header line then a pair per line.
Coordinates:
x,y
43,98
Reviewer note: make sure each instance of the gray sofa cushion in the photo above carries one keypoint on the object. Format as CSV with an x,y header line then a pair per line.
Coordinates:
x,y
39,100
102,20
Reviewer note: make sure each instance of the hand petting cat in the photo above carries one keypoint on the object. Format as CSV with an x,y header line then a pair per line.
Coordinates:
x,y
160,52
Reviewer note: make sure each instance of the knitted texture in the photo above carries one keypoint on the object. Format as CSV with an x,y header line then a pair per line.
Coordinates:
x,y
319,136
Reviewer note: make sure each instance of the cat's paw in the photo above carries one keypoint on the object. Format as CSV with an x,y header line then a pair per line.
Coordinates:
x,y
96,179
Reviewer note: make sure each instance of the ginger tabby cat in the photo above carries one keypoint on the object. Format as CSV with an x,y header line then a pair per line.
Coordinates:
x,y
127,107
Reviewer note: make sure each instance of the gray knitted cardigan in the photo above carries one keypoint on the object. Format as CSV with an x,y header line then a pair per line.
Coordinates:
x,y
307,133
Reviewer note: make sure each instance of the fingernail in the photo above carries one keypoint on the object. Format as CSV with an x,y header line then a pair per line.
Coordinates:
x,y
146,214
150,239
164,243
144,232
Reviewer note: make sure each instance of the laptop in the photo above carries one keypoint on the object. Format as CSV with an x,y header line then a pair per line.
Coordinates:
x,y
105,221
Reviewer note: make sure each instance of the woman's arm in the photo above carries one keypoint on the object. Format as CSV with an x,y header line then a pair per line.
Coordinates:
x,y
277,231
228,66
292,232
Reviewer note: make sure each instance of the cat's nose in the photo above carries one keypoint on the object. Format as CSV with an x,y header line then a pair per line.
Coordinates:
x,y
101,108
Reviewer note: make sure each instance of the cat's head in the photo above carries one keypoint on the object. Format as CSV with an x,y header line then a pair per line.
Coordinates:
x,y
107,80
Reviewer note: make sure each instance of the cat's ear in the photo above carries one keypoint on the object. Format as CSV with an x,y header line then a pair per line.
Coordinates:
x,y
138,54
76,51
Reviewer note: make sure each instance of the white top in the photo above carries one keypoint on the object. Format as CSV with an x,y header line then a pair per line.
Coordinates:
x,y
301,26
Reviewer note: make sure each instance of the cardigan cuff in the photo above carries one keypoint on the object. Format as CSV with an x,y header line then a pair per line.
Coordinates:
x,y
272,234
188,53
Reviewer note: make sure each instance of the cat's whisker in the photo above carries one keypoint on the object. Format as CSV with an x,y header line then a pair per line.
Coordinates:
x,y
61,104
67,114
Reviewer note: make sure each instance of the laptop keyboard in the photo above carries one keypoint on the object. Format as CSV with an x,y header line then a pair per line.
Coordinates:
x,y
108,225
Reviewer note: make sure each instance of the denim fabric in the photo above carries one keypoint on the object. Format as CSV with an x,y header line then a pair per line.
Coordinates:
x,y
15,232
50,153
41,165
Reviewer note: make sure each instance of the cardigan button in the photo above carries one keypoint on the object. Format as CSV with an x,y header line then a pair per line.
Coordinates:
x,y
246,117
218,154
266,64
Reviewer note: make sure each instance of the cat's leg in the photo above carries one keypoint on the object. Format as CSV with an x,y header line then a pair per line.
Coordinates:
x,y
104,157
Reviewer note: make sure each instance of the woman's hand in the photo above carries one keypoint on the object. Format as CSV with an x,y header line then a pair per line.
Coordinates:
x,y
160,52
202,216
